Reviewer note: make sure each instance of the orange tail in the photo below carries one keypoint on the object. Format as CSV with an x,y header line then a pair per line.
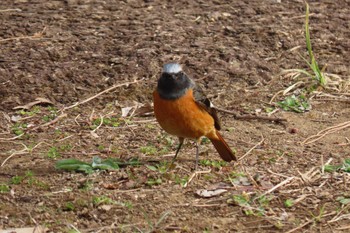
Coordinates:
x,y
222,148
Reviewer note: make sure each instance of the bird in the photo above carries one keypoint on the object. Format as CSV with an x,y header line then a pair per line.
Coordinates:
x,y
183,110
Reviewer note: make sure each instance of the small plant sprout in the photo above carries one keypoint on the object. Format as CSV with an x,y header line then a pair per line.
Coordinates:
x,y
69,206
295,103
249,206
96,164
111,122
4,188
53,153
345,167
154,181
34,110
317,218
127,204
19,128
181,180
52,114
343,200
148,150
16,179
316,73
161,167
213,163
101,200
288,203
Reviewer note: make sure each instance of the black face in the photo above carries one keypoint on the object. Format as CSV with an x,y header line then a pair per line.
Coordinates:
x,y
173,85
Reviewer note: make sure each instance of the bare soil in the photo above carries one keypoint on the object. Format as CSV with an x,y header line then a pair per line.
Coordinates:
x,y
68,51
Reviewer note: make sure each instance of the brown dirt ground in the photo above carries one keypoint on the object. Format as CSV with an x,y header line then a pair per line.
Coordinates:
x,y
67,51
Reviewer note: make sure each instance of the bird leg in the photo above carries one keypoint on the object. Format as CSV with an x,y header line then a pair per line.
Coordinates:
x,y
181,141
197,153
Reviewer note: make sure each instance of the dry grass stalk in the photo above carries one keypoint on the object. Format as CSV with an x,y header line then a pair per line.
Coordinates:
x,y
325,132
101,93
251,149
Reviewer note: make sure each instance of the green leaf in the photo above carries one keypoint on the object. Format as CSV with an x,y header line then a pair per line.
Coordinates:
x,y
288,203
152,168
74,165
241,200
343,200
330,168
108,164
295,103
97,164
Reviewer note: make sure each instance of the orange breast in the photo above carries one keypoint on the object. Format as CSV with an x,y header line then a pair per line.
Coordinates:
x,y
183,117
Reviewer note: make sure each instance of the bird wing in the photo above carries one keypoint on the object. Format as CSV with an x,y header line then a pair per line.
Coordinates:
x,y
204,103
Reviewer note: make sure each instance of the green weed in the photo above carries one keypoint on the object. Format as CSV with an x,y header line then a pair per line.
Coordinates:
x,y
345,167
154,181
205,140
102,200
53,153
87,185
181,180
19,128
34,110
319,216
295,103
343,200
67,147
112,122
29,179
16,180
148,150
4,188
127,204
251,206
68,206
153,226
206,230
161,167
288,203
96,164
315,72
213,163
52,114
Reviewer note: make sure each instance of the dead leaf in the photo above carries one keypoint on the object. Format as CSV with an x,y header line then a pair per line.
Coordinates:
x,y
144,110
241,180
111,186
37,229
105,207
125,111
16,118
210,193
38,100
95,135
219,185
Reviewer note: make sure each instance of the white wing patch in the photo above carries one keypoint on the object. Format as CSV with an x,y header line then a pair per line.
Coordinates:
x,y
172,68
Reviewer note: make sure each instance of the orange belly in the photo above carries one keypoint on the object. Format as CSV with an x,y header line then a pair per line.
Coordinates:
x,y
183,117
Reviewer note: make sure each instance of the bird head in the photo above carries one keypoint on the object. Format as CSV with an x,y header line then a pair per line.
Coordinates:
x,y
173,83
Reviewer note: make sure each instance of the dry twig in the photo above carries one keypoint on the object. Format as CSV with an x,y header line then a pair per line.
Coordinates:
x,y
251,149
50,122
26,150
194,174
308,222
10,139
97,95
36,35
251,117
14,9
325,132
276,187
